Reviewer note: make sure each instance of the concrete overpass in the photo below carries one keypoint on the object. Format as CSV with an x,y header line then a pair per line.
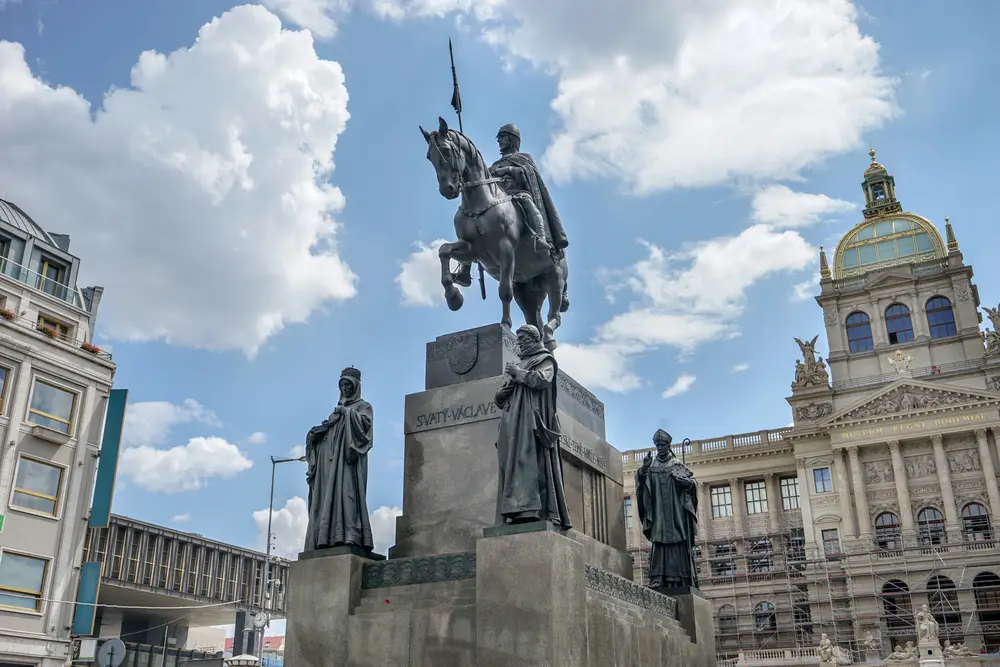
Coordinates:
x,y
148,566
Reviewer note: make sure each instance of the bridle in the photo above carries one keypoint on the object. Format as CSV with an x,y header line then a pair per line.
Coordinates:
x,y
464,186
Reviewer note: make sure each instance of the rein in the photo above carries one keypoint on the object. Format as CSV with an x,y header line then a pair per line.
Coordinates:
x,y
463,186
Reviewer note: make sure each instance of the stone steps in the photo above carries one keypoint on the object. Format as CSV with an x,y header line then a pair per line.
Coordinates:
x,y
438,595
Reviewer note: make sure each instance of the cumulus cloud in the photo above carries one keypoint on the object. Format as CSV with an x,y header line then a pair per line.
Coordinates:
x,y
804,290
206,176
419,278
257,438
781,207
289,523
671,94
739,368
185,467
682,300
150,422
180,518
681,385
321,17
297,452
384,528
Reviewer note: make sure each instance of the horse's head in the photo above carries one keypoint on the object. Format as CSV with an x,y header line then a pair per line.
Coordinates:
x,y
448,158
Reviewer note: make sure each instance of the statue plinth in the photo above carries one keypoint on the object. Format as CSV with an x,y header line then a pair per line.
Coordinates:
x,y
460,591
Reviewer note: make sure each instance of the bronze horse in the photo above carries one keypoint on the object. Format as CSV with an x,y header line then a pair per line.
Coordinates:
x,y
491,230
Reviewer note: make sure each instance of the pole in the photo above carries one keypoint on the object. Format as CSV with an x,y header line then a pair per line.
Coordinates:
x,y
267,564
456,96
166,633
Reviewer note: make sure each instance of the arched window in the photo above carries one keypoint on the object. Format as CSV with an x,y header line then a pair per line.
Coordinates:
x,y
859,332
930,524
987,589
942,598
976,523
887,531
898,325
764,618
940,317
728,625
898,606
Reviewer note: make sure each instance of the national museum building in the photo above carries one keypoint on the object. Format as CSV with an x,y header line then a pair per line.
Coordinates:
x,y
882,496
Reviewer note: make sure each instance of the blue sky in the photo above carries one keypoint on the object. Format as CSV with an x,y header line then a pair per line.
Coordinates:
x,y
260,221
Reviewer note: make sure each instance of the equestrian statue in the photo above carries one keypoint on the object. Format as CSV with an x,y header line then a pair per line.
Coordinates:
x,y
506,222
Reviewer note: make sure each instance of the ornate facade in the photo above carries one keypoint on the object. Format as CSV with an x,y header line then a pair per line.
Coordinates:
x,y
883,494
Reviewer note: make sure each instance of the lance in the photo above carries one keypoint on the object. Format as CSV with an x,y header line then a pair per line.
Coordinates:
x,y
456,104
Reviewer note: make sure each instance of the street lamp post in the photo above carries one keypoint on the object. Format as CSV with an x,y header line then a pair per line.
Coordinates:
x,y
266,598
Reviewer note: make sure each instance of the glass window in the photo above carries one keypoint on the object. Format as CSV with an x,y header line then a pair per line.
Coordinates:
x,y
923,243
883,228
756,495
930,524
789,493
901,225
976,523
886,250
722,502
759,559
62,330
831,542
867,254
866,233
722,560
905,246
628,513
37,486
4,375
887,531
22,579
898,325
859,332
823,480
765,618
52,407
940,317
850,257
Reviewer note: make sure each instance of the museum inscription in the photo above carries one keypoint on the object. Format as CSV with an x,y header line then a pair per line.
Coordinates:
x,y
917,425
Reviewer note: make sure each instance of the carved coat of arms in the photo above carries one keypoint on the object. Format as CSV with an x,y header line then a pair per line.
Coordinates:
x,y
463,352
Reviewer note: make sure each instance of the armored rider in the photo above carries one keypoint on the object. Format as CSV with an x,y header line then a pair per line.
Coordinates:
x,y
521,179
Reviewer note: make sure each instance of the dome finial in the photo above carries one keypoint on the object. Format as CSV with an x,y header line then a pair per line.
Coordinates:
x,y
950,235
871,152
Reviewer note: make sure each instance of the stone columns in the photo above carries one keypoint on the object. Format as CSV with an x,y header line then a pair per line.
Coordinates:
x,y
989,471
805,503
736,489
902,490
843,490
773,503
704,511
860,493
944,479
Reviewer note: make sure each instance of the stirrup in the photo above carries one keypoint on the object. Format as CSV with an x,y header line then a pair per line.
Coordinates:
x,y
463,278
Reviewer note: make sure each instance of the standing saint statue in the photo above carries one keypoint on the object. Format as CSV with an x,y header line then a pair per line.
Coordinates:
x,y
667,500
531,475
337,454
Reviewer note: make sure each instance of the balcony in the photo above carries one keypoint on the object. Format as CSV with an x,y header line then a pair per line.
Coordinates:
x,y
12,319
919,372
35,280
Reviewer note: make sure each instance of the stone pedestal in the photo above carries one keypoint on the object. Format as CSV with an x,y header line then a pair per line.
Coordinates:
x,y
460,591
930,654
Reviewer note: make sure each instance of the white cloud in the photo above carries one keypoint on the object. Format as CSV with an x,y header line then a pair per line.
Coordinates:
x,y
180,518
384,528
182,468
257,438
672,94
683,300
681,385
297,452
150,422
781,207
319,16
289,524
739,368
206,177
419,278
804,290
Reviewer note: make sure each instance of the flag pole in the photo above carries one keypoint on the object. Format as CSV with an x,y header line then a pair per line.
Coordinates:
x,y
456,96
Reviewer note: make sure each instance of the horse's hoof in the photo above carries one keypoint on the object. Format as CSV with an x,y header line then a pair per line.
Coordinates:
x,y
454,299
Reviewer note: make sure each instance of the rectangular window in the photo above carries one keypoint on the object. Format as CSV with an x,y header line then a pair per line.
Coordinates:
x,y
628,513
789,493
822,479
4,377
722,502
52,407
50,278
62,330
37,486
22,579
831,542
756,495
